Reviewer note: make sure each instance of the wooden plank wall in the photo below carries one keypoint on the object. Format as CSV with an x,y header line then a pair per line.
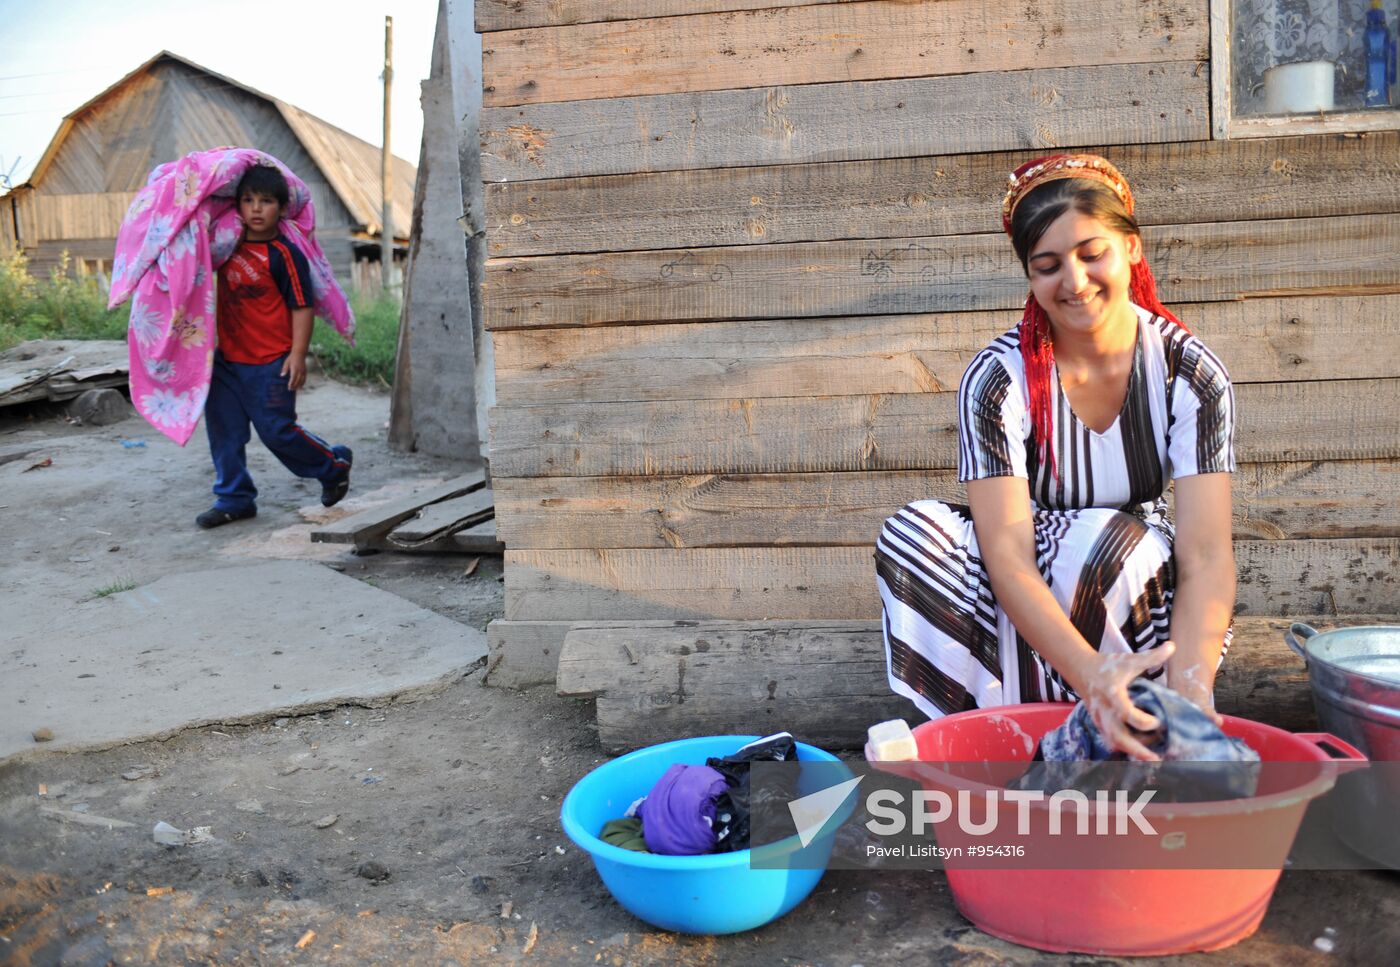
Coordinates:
x,y
740,258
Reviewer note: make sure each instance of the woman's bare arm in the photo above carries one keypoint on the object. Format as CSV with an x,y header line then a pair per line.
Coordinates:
x,y
1001,513
1205,584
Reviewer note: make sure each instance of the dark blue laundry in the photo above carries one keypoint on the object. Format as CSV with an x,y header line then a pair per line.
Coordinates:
x,y
738,804
1199,762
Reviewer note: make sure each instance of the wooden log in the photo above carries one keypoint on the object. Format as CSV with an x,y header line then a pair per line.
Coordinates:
x,y
523,653
1260,340
514,14
1051,108
1174,184
368,527
1277,422
1358,575
1273,501
822,44
1215,262
826,681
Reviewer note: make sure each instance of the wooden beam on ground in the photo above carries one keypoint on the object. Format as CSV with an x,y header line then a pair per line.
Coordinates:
x,y
523,653
826,681
1050,108
1209,262
1276,422
1174,184
1260,340
368,527
57,370
823,44
1272,501
1356,575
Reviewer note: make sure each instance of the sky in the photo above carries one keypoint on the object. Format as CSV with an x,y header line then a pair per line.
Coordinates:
x,y
57,54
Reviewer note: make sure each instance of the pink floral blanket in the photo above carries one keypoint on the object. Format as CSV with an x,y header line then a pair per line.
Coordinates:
x,y
180,228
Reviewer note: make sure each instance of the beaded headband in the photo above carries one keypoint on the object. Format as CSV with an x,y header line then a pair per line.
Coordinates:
x,y
1033,174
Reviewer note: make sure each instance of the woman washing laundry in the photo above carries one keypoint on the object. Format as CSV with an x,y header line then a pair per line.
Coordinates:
x,y
1063,578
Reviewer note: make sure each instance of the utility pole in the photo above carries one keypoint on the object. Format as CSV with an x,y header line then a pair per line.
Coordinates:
x,y
386,168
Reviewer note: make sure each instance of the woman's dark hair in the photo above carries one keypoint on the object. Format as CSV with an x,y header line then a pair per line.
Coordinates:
x,y
264,180
1037,211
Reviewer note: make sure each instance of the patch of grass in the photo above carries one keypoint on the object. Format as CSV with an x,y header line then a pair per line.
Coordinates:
x,y
61,307
116,587
371,359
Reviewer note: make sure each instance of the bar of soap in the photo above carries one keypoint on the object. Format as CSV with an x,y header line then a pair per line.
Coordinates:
x,y
891,742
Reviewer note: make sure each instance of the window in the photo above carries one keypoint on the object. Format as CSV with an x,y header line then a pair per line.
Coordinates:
x,y
1276,65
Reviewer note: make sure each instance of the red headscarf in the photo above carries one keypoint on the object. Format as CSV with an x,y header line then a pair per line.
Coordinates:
x,y
1037,350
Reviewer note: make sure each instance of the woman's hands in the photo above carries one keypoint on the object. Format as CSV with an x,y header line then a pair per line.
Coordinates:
x,y
1103,685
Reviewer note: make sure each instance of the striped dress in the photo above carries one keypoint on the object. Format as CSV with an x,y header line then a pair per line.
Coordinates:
x,y
1103,541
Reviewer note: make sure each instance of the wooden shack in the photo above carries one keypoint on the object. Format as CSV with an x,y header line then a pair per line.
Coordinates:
x,y
739,259
102,153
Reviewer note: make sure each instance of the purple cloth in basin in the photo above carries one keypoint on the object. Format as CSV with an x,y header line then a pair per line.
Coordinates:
x,y
678,815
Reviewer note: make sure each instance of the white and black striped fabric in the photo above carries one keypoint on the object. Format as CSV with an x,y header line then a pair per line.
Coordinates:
x,y
1103,540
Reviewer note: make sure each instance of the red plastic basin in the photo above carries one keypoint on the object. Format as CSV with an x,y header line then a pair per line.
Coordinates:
x,y
1148,911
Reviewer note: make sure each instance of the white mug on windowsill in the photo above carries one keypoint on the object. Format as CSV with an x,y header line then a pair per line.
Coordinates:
x,y
1300,88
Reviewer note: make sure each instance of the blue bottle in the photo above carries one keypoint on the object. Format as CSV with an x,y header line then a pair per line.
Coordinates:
x,y
1380,58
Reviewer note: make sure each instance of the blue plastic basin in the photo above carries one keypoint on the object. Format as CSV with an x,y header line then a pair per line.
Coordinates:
x,y
711,894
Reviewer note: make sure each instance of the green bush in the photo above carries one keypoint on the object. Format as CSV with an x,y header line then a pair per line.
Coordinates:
x,y
63,307
371,359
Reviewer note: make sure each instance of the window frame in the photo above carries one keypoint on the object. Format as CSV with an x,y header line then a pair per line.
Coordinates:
x,y
1224,126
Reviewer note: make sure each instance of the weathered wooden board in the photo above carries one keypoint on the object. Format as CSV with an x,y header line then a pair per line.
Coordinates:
x,y
826,681
1276,422
477,539
1180,183
711,510
370,526
514,14
1218,261
446,517
1273,501
822,44
1051,108
816,583
1260,340
1312,499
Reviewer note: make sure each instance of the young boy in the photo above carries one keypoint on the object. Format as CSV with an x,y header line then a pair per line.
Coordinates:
x,y
264,325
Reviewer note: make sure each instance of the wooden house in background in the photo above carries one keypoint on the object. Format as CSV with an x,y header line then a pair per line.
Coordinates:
x,y
739,259
169,106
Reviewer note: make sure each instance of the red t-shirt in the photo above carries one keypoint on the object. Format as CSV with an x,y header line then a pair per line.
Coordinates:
x,y
259,286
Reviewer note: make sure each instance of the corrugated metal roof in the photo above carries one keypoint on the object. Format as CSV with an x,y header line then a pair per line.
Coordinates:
x,y
349,164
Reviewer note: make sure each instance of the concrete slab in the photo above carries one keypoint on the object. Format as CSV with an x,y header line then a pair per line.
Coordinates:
x,y
224,645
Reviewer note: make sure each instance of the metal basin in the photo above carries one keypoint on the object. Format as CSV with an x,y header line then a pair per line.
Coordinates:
x,y
1355,678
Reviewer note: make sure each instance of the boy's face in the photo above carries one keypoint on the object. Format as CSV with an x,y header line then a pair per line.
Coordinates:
x,y
260,213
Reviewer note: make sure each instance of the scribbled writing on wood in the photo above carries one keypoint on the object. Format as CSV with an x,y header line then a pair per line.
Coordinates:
x,y
689,268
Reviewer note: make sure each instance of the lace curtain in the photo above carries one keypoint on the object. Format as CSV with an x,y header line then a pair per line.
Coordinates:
x,y
1272,32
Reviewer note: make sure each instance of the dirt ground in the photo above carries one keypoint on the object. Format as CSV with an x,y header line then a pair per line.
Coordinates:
x,y
453,798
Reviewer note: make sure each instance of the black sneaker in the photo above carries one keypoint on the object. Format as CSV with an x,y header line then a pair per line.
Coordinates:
x,y
214,517
331,493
